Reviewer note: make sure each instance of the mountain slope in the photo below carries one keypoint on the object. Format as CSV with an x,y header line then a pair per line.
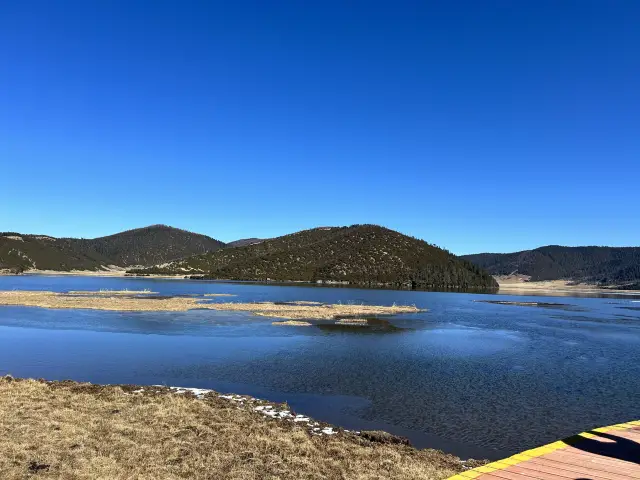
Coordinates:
x,y
149,245
604,265
244,242
142,246
24,252
360,255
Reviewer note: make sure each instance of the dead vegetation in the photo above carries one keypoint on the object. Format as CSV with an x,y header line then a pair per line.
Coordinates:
x,y
293,323
67,430
132,302
112,292
352,321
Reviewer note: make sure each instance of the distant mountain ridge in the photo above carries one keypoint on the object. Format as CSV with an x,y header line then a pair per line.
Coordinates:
x,y
601,265
244,241
141,246
367,255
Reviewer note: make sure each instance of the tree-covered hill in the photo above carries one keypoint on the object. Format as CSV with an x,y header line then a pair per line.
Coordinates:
x,y
149,245
360,255
20,252
143,246
244,241
603,265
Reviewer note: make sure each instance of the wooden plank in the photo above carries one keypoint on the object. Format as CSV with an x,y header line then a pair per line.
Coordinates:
x,y
579,470
628,434
507,474
605,453
602,457
556,468
595,462
521,470
491,476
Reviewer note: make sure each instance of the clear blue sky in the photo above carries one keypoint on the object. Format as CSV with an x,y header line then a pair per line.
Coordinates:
x,y
479,126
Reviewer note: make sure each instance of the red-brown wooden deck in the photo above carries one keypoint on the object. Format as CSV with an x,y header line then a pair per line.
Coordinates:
x,y
607,453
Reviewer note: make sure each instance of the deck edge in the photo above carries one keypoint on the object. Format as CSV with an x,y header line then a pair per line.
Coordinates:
x,y
539,451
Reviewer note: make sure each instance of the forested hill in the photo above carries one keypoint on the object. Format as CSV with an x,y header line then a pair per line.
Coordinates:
x,y
19,252
150,245
359,255
143,246
244,241
604,265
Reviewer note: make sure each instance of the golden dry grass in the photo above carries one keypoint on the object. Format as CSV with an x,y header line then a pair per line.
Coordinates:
x,y
293,323
352,321
288,311
320,312
96,302
111,292
80,431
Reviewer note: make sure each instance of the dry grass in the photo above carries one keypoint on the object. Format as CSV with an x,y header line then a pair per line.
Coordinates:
x,y
288,311
80,431
112,292
95,302
352,321
320,312
293,323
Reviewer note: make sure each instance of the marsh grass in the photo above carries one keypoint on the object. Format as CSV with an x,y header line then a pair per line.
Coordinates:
x,y
292,323
289,311
146,291
72,431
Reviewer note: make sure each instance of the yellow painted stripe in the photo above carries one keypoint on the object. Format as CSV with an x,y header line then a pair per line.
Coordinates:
x,y
539,451
471,473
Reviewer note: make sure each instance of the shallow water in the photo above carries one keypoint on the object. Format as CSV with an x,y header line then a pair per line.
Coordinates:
x,y
472,378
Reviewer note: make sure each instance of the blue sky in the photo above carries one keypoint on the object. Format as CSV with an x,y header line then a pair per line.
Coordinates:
x,y
478,126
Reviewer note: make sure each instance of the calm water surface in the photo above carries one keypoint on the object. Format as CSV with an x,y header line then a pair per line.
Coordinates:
x,y
474,379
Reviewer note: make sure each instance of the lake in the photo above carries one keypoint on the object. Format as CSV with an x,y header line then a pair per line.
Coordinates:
x,y
474,379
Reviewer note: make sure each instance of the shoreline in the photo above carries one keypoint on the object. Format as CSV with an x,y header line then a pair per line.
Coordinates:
x,y
123,431
515,286
507,285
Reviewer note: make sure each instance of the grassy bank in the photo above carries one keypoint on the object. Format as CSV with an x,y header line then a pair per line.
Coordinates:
x,y
67,430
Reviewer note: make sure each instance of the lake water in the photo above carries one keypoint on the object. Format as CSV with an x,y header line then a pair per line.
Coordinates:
x,y
471,378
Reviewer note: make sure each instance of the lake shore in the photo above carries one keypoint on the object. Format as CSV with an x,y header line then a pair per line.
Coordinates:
x,y
516,285
112,272
508,285
80,430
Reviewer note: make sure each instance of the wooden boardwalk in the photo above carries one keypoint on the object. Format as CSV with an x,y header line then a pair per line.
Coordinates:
x,y
607,453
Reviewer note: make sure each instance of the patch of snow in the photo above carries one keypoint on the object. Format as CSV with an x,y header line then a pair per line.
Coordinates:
x,y
198,392
270,411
